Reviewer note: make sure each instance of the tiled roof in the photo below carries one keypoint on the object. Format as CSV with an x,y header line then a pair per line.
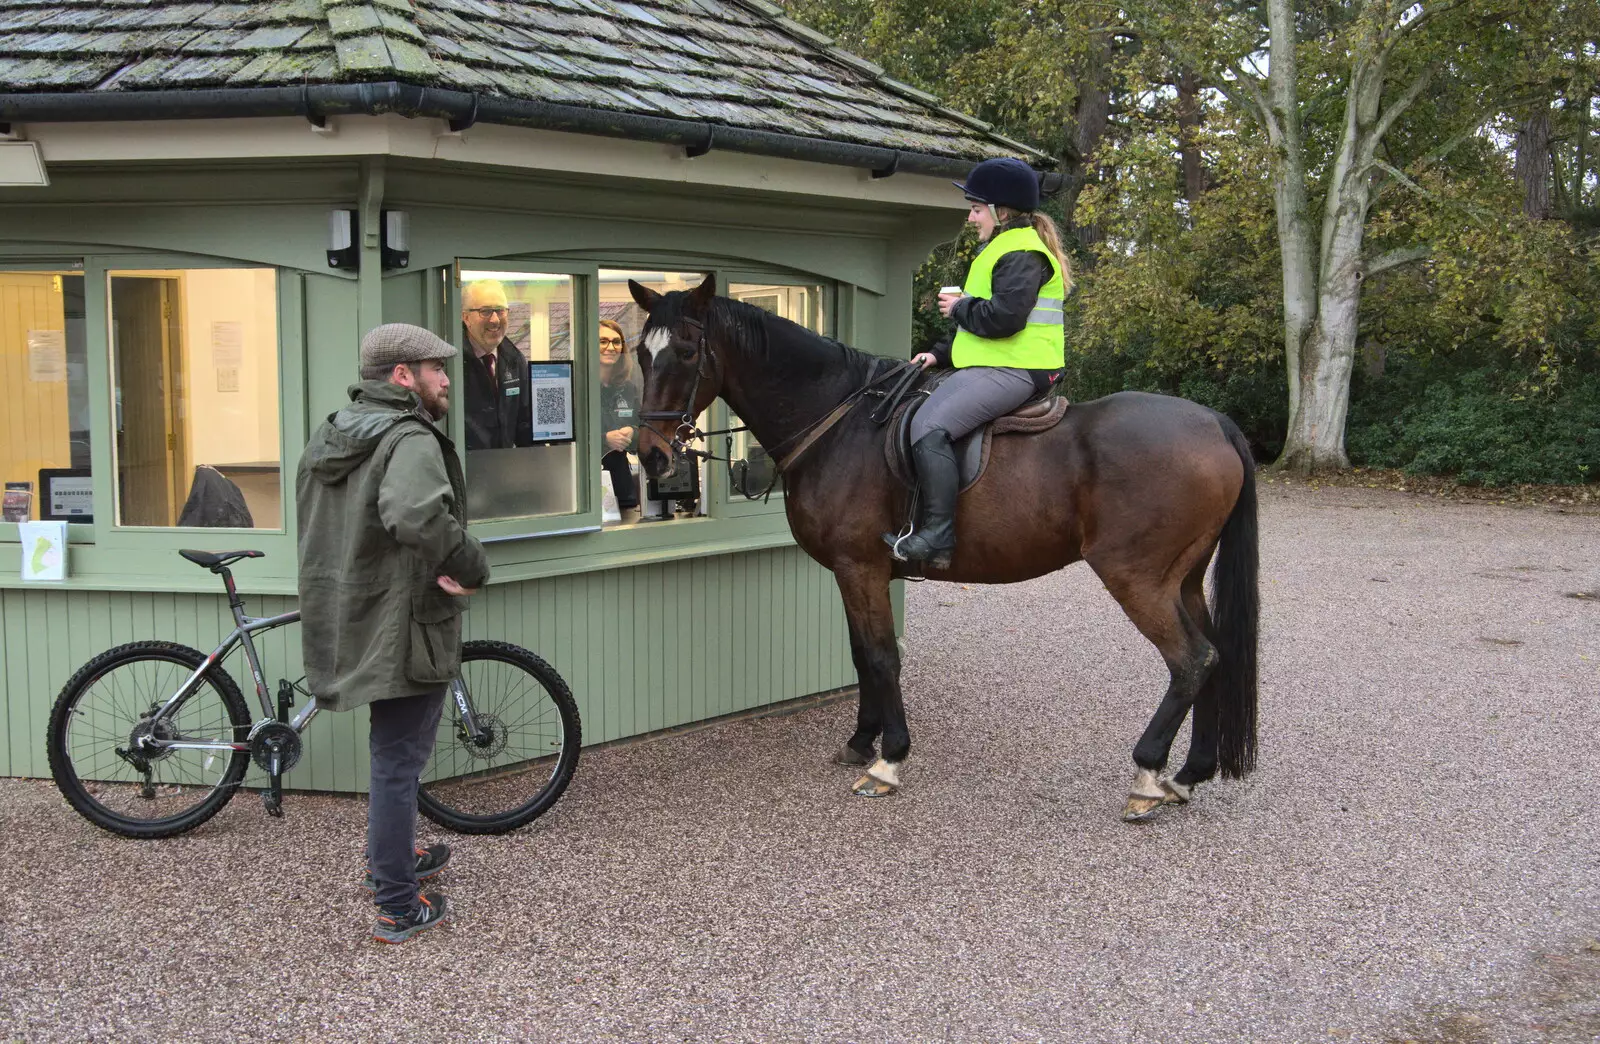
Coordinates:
x,y
739,63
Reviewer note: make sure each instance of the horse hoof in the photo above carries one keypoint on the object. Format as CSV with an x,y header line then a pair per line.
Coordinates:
x,y
848,755
1140,808
1175,793
869,786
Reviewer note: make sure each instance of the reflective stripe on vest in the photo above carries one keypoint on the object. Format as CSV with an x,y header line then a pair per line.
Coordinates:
x,y
1040,345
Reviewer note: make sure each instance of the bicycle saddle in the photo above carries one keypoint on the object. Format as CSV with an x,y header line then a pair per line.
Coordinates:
x,y
215,560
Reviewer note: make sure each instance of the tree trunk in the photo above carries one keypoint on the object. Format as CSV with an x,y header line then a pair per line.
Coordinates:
x,y
1090,117
1533,168
1299,256
1193,165
1320,381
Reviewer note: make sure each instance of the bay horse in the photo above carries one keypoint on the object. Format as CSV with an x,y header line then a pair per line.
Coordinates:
x,y
1145,488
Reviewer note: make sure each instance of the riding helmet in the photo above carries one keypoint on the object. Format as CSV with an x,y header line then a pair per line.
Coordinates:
x,y
1002,182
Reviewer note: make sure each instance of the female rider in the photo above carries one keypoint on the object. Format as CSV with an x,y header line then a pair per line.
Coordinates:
x,y
1008,346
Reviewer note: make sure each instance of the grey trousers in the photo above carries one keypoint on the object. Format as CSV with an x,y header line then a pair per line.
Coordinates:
x,y
402,735
970,397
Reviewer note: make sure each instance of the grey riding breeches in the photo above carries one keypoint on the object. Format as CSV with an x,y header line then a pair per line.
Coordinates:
x,y
970,397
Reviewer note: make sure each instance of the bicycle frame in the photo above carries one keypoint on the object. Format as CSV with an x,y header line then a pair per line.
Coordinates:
x,y
245,627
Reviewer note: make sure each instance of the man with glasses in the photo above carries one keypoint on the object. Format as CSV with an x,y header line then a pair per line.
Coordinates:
x,y
498,401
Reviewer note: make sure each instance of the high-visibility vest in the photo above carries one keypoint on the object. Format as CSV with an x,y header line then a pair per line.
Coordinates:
x,y
1041,345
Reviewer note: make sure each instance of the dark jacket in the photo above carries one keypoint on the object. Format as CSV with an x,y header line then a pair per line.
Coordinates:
x,y
1015,290
381,508
619,407
499,408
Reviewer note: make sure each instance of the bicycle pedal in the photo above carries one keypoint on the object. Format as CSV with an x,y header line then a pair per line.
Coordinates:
x,y
273,803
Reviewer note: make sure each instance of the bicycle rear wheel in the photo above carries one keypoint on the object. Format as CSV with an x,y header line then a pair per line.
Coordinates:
x,y
109,705
524,754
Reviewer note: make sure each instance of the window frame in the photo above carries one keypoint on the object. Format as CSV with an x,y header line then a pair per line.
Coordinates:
x,y
105,533
291,406
77,532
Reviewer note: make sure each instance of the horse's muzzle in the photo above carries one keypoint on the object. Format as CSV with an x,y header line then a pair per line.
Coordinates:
x,y
655,463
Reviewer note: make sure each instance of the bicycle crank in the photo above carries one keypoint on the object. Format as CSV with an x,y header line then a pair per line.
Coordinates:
x,y
275,748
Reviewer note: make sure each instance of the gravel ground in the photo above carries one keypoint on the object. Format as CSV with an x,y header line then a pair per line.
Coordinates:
x,y
1413,860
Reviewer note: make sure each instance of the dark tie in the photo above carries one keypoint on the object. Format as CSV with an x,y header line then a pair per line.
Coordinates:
x,y
488,360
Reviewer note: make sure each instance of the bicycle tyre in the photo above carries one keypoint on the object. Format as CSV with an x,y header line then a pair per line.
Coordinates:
x,y
84,789
472,789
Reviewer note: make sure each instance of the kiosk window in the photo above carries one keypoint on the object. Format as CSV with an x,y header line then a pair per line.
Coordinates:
x,y
517,394
44,434
195,388
805,305
673,496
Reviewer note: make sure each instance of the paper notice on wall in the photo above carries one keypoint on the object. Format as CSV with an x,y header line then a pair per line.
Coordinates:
x,y
519,325
227,345
47,356
227,378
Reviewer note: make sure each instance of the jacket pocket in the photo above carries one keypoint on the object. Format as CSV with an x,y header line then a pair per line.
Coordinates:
x,y
435,633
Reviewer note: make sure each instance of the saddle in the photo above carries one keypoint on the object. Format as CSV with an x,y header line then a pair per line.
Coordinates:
x,y
972,449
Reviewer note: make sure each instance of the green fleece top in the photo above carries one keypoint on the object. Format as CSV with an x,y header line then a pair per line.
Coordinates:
x,y
381,505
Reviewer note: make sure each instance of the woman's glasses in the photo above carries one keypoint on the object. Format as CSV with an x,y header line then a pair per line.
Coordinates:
x,y
611,342
489,313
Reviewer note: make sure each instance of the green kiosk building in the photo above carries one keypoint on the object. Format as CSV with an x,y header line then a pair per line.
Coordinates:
x,y
203,206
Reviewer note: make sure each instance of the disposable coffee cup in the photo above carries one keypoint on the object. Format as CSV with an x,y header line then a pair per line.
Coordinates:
x,y
949,290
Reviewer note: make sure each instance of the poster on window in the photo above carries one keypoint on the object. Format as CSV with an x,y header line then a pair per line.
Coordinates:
x,y
551,385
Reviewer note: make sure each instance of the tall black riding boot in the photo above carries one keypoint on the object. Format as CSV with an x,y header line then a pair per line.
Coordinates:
x,y
940,477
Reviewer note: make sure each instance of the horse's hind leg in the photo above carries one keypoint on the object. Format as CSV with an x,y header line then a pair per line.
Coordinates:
x,y
1161,616
1204,735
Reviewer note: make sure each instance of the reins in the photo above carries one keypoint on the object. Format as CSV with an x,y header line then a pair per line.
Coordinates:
x,y
686,431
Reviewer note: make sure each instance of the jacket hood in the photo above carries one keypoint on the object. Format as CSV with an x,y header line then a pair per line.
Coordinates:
x,y
351,435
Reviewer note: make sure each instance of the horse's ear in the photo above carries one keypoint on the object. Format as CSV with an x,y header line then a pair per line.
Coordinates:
x,y
702,294
643,296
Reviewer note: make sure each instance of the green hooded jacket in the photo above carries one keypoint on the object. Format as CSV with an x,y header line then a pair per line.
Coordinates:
x,y
382,513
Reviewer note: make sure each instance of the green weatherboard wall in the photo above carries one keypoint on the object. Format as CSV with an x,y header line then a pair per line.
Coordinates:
x,y
653,627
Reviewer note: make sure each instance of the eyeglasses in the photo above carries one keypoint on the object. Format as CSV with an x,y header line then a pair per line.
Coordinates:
x,y
611,342
488,313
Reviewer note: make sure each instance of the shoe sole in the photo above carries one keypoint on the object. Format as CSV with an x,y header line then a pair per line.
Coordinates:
x,y
395,938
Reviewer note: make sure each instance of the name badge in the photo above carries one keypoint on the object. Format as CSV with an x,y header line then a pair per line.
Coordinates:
x,y
513,389
625,411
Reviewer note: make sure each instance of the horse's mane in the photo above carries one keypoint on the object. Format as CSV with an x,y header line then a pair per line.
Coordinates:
x,y
773,339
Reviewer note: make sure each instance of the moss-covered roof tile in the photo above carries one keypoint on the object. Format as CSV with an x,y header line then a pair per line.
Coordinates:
x,y
737,62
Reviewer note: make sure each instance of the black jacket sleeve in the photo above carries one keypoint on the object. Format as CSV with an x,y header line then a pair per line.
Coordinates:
x,y
522,434
1015,290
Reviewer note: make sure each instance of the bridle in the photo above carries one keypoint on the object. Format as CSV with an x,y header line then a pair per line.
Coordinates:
x,y
686,431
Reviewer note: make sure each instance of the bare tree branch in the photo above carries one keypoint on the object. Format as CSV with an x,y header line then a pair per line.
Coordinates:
x,y
1395,258
1429,13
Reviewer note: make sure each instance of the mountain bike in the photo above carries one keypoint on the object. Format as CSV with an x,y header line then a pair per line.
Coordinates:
x,y
152,738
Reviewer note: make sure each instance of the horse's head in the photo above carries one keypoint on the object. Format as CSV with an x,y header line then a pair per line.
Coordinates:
x,y
681,377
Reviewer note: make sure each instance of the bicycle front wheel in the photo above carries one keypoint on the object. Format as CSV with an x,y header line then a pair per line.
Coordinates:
x,y
524,750
107,714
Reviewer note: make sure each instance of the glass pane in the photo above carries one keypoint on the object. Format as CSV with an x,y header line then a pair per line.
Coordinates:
x,y
638,499
195,388
517,369
44,435
806,305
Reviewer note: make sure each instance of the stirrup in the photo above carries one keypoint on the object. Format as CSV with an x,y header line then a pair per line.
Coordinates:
x,y
898,539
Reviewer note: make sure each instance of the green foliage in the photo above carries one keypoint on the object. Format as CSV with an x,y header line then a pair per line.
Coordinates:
x,y
1472,423
1491,339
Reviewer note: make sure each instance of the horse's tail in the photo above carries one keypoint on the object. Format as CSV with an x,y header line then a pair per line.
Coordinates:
x,y
1235,615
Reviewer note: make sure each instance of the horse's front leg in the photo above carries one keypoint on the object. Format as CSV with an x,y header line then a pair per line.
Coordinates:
x,y
865,589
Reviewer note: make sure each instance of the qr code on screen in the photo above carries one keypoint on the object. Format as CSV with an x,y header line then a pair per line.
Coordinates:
x,y
550,406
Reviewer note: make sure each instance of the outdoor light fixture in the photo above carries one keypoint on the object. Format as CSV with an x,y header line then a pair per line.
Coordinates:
x,y
342,249
21,164
395,245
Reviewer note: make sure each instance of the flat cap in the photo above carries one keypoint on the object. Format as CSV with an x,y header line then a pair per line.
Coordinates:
x,y
402,343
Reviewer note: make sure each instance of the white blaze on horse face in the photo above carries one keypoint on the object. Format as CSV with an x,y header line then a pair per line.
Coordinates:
x,y
657,340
